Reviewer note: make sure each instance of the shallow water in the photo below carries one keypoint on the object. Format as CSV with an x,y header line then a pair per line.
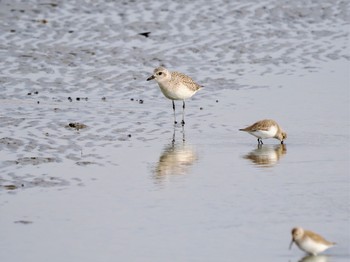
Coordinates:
x,y
119,189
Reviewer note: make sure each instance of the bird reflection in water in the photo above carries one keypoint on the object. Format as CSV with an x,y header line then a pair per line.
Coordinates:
x,y
311,258
175,159
266,155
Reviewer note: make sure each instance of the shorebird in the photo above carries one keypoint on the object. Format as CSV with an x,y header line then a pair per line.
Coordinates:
x,y
175,86
264,129
309,241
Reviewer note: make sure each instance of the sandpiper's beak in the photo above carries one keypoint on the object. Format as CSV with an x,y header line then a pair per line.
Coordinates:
x,y
150,78
291,243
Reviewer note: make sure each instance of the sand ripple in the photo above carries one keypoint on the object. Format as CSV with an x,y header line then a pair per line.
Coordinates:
x,y
86,62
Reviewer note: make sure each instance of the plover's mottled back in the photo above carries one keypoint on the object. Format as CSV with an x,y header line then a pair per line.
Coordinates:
x,y
175,86
266,128
309,241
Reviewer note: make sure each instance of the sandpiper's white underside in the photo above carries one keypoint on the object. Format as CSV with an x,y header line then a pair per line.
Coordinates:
x,y
265,134
311,247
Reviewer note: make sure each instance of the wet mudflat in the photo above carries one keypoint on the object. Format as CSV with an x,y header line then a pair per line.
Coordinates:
x,y
89,171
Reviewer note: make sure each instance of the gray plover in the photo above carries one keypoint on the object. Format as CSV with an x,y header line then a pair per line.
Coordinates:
x,y
175,86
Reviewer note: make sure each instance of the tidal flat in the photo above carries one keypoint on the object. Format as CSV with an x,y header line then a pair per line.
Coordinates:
x,y
88,167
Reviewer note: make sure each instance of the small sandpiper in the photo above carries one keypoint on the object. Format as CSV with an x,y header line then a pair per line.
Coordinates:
x,y
266,128
309,241
175,86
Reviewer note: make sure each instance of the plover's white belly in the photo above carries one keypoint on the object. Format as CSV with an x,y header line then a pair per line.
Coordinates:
x,y
312,247
263,134
180,92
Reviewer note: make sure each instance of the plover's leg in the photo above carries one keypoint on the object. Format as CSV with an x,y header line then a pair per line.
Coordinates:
x,y
282,142
260,142
174,112
183,113
173,141
183,134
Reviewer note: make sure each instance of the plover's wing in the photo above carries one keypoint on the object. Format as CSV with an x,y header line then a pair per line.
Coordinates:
x,y
186,80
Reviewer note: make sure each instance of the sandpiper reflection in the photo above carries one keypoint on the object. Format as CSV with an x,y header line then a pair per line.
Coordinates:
x,y
266,155
311,258
175,159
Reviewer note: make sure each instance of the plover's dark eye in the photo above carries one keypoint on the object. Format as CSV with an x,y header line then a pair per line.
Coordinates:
x,y
160,73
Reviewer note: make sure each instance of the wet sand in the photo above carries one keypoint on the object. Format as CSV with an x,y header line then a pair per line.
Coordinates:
x,y
88,168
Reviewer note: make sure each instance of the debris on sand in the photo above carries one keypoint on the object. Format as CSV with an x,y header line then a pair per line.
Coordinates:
x,y
76,126
145,34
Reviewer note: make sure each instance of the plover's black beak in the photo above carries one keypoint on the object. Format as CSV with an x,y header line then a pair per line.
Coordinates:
x,y
150,78
291,243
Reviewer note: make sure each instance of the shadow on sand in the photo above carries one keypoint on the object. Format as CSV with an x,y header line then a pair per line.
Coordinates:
x,y
310,258
266,155
175,159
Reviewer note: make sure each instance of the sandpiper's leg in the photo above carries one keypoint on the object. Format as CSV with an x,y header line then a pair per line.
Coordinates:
x,y
183,113
174,112
260,142
282,142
